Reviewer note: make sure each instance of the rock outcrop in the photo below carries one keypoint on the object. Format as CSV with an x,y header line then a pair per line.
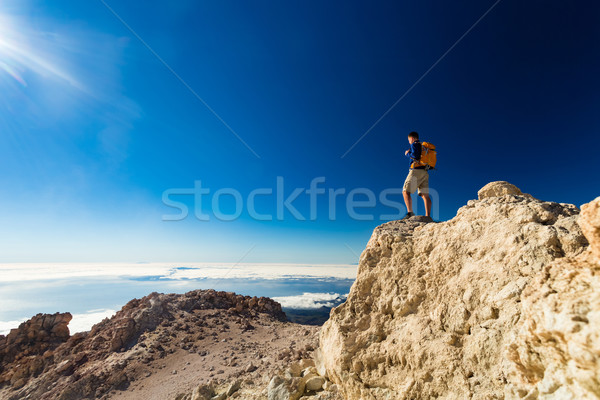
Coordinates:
x,y
31,345
500,302
554,351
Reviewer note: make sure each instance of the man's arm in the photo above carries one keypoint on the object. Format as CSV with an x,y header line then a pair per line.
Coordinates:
x,y
414,152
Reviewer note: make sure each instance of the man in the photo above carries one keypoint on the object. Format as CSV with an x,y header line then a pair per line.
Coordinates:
x,y
418,177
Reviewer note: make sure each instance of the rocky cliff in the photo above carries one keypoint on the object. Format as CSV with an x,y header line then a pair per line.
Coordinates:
x,y
500,302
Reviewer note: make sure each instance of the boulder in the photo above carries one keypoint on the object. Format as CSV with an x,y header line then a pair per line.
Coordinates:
x,y
203,392
282,389
233,387
498,188
315,383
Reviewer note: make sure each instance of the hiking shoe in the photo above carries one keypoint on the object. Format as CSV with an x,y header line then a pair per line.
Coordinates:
x,y
408,215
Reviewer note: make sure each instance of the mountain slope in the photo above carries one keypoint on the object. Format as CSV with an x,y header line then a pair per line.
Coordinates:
x,y
153,348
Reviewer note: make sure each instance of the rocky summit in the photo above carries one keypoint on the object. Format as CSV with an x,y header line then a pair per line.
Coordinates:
x,y
500,302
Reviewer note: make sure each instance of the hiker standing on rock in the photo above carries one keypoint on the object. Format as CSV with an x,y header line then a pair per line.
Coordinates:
x,y
418,177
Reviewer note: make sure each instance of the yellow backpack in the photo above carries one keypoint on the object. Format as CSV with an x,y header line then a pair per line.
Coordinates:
x,y
428,156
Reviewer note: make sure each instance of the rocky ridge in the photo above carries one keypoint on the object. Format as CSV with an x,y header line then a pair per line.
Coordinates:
x,y
502,301
154,348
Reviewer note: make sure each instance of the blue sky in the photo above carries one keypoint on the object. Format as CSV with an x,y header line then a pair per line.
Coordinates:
x,y
94,128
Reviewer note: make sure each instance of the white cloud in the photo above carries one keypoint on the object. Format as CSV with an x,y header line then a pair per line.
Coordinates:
x,y
84,322
6,326
21,272
46,275
311,300
265,271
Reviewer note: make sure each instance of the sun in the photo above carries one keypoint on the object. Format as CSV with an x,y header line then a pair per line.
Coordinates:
x,y
24,50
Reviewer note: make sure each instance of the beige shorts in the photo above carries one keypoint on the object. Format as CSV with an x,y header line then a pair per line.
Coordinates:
x,y
417,178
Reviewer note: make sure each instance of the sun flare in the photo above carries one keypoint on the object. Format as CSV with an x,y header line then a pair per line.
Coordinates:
x,y
25,51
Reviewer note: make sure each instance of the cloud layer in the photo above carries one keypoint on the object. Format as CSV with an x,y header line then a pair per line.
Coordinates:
x,y
52,271
308,301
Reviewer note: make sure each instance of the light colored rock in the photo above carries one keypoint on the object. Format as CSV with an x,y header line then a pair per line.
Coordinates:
x,y
555,350
287,374
282,389
439,310
498,188
306,362
203,392
295,369
326,396
318,361
233,387
315,383
590,224
309,370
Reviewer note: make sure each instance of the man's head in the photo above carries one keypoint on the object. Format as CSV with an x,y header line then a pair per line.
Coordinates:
x,y
412,137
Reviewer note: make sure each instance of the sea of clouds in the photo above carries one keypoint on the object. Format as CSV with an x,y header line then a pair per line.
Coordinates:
x,y
94,291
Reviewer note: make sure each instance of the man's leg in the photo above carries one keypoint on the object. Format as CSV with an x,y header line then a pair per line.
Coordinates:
x,y
410,185
407,201
424,191
427,201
